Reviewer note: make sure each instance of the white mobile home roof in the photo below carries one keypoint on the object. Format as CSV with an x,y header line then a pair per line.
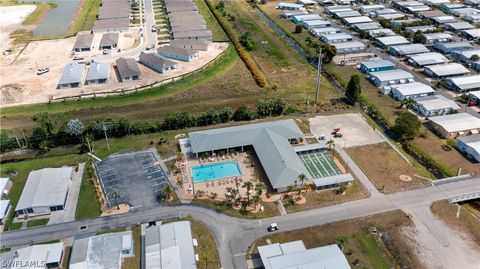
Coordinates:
x,y
324,30
367,26
4,204
458,26
414,88
368,8
381,32
337,36
392,40
449,69
3,183
438,36
472,141
410,49
316,24
45,187
457,122
294,255
422,28
349,45
291,5
392,75
33,256
467,82
436,102
444,19
355,20
465,54
390,16
378,64
347,14
428,58
307,17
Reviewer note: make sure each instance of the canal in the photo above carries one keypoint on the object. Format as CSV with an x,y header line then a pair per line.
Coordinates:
x,y
57,20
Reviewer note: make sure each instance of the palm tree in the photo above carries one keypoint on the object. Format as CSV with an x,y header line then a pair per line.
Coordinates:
x,y
260,187
167,192
248,185
407,103
235,195
206,259
213,195
255,199
116,194
302,178
331,144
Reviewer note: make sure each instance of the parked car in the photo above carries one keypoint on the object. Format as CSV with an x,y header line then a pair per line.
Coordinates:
x,y
42,70
105,51
78,58
273,227
154,28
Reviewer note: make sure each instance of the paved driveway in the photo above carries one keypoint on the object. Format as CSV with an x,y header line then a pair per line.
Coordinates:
x,y
355,130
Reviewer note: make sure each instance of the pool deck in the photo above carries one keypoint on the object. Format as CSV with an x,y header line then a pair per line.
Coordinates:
x,y
219,186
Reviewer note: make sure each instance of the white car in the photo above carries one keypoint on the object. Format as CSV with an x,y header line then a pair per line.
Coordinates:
x,y
273,227
42,70
105,51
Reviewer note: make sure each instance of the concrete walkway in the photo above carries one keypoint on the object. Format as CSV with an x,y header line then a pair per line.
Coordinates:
x,y
358,172
68,214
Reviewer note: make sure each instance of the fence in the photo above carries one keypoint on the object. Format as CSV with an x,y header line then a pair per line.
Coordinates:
x,y
123,91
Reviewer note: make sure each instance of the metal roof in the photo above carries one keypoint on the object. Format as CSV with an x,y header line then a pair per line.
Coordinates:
x,y
348,45
436,102
36,254
447,69
331,180
367,26
270,141
461,45
413,88
169,246
460,25
98,71
410,49
360,19
4,204
100,251
83,41
433,36
156,60
392,75
392,40
295,255
127,67
457,122
472,141
109,39
72,73
3,183
422,28
444,19
466,82
45,187
428,58
378,63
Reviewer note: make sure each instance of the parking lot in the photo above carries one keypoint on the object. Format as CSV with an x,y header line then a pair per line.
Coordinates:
x,y
136,175
355,130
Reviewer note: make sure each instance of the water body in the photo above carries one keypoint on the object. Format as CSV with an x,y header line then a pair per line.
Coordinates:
x,y
57,20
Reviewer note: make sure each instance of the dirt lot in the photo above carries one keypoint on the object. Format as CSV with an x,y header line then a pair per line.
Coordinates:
x,y
11,19
385,167
355,130
21,85
370,251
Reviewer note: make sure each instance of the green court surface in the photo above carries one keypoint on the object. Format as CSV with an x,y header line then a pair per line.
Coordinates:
x,y
320,164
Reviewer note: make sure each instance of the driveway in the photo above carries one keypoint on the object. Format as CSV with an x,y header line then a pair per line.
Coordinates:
x,y
355,130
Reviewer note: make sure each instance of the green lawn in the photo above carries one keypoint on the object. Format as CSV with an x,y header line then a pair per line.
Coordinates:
x,y
375,251
25,167
86,17
38,222
88,205
14,226
134,262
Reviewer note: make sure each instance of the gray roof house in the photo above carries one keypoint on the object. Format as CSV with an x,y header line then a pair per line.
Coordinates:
x,y
83,43
98,73
176,53
45,191
196,35
450,47
109,41
391,77
46,255
157,63
434,105
72,76
111,25
464,84
127,69
190,44
271,142
425,59
169,246
295,255
448,70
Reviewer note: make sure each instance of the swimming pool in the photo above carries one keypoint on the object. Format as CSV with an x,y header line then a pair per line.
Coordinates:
x,y
215,171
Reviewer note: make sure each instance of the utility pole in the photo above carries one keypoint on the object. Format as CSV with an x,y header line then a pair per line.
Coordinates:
x,y
319,71
106,136
307,103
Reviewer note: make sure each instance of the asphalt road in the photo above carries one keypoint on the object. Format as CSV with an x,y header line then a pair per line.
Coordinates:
x,y
234,235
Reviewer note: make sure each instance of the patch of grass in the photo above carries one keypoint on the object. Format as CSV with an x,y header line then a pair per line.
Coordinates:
x,y
86,17
212,24
88,205
3,250
25,167
375,251
117,230
14,226
134,262
207,247
38,222
226,208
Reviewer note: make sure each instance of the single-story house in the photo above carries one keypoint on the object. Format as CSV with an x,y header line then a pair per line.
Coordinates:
x,y
176,53
448,70
476,66
98,73
45,191
300,19
449,7
111,25
391,77
404,22
190,44
454,125
330,10
410,49
289,6
346,14
83,43
376,66
349,47
35,256
465,56
127,69
369,8
470,145
392,16
389,41
381,32
316,24
459,26
474,18
475,96
449,47
336,38
431,14
410,90
433,38
188,27
109,41
101,251
421,28
425,59
366,26
287,14
5,186
382,12
195,35
462,12
157,63
440,20
4,210
434,105
169,244
464,84
72,76
436,2
354,20
322,31
295,255
472,34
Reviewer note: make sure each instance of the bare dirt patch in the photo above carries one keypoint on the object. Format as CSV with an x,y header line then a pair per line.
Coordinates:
x,y
384,166
11,19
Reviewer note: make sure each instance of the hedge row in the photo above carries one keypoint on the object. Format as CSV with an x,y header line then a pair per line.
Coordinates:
x,y
257,73
446,171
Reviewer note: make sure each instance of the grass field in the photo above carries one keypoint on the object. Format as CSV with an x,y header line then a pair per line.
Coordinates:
x,y
385,166
85,18
38,222
88,205
361,246
320,164
207,247
134,262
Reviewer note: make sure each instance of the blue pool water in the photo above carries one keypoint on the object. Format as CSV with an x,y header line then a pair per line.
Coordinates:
x,y
215,171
